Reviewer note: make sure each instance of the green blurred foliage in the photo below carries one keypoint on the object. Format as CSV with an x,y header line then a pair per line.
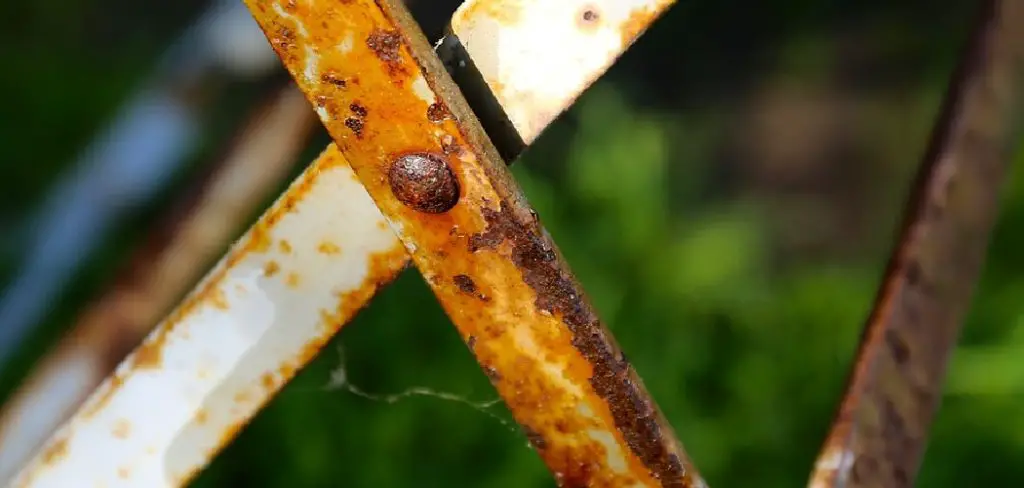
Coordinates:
x,y
739,298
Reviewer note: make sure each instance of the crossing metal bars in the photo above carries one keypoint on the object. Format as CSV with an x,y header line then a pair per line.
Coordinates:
x,y
411,160
299,274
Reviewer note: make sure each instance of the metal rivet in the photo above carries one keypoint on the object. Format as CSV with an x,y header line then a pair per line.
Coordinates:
x,y
425,182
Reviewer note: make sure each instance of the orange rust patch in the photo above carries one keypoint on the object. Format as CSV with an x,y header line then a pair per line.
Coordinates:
x,y
328,247
122,428
150,354
55,451
269,382
219,299
123,472
202,416
284,246
639,20
271,268
293,279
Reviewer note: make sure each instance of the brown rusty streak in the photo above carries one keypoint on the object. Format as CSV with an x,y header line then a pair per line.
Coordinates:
x,y
538,319
895,386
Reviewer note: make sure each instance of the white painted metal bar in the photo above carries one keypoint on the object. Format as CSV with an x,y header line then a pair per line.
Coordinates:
x,y
161,271
304,270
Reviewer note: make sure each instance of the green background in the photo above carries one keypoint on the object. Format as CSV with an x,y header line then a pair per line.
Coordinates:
x,y
727,195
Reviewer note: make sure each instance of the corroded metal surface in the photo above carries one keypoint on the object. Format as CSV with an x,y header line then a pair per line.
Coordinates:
x,y
284,289
378,88
882,425
537,56
52,465
161,271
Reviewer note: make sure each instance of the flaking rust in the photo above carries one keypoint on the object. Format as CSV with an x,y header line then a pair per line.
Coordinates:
x,y
535,335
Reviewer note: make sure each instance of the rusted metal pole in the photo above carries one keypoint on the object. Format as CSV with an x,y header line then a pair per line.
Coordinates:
x,y
250,368
162,270
426,162
881,429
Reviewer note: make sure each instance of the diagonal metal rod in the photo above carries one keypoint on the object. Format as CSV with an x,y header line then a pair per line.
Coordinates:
x,y
176,253
882,426
424,159
305,269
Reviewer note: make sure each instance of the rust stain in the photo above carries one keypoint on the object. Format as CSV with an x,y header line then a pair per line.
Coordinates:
x,y
593,423
284,246
437,112
202,416
269,382
149,355
613,379
292,280
124,472
55,452
122,428
271,268
218,299
328,248
640,19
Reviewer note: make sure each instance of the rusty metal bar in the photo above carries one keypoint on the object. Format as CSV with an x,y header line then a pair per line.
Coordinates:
x,y
882,425
172,259
281,292
293,227
424,159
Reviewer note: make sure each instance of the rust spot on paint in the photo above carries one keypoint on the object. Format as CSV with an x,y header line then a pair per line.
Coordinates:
x,y
149,355
425,182
327,247
122,428
55,451
284,246
639,20
123,472
202,416
271,268
292,280
269,382
218,299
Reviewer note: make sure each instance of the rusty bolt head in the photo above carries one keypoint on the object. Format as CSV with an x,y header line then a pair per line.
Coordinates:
x,y
425,182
